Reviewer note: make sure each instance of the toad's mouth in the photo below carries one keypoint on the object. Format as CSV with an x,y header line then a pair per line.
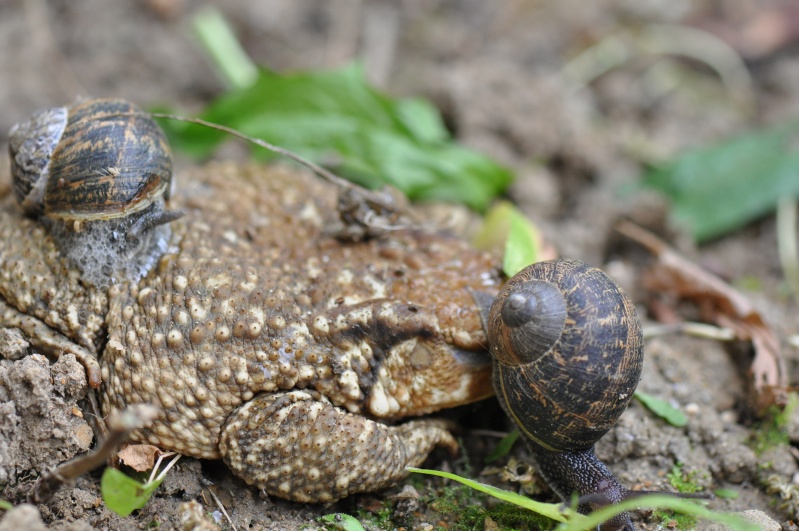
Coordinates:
x,y
420,376
478,359
476,368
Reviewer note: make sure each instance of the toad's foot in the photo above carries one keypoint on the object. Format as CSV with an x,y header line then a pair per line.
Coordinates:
x,y
295,446
47,341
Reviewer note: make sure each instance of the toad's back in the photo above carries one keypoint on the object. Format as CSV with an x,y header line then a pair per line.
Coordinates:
x,y
255,296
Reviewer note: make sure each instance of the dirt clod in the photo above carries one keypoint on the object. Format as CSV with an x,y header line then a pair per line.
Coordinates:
x,y
42,422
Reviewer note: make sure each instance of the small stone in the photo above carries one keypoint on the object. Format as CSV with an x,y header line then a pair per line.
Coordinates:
x,y
193,518
692,409
13,345
23,516
763,521
760,519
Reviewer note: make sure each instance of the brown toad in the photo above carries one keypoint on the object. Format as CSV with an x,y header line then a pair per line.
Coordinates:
x,y
262,338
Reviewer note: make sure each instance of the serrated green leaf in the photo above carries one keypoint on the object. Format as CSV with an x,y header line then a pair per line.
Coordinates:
x,y
503,447
123,494
716,189
663,409
337,119
343,521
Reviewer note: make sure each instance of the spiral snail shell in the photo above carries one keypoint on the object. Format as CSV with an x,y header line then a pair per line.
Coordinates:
x,y
96,159
568,352
97,173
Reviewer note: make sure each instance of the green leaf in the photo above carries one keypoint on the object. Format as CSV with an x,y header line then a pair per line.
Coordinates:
x,y
503,446
682,481
5,505
521,249
337,119
343,521
716,189
663,409
422,120
504,227
123,494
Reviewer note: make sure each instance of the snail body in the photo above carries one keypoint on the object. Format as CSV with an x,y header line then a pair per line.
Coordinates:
x,y
97,173
568,353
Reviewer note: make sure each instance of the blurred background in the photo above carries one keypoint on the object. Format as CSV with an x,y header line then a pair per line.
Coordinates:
x,y
577,99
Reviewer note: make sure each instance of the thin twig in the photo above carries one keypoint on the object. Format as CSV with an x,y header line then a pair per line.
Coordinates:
x,y
157,465
376,198
222,508
701,330
120,425
786,243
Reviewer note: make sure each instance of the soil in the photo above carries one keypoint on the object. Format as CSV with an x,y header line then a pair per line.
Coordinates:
x,y
505,75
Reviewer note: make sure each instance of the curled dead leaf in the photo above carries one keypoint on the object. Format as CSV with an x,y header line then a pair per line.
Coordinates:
x,y
721,304
139,457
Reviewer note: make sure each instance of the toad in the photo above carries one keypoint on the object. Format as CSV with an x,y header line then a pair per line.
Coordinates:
x,y
261,337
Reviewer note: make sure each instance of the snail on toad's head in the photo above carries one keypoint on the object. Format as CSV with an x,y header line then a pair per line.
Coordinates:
x,y
97,173
568,352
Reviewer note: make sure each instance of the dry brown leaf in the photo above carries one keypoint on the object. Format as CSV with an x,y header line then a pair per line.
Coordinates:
x,y
719,303
139,457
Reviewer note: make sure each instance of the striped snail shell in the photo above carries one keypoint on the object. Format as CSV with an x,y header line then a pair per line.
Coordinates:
x,y
569,352
91,160
97,174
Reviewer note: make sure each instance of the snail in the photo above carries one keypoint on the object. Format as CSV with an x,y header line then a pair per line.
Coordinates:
x,y
568,352
98,174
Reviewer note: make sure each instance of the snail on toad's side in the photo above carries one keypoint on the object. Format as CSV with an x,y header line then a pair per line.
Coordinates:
x,y
98,174
568,351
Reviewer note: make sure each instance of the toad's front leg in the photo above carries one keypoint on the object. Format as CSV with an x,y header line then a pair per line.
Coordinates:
x,y
295,446
48,341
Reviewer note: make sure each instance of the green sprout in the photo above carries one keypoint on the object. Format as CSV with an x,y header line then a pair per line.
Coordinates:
x,y
124,494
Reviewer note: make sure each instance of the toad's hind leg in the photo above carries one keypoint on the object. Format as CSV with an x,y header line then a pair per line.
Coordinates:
x,y
295,446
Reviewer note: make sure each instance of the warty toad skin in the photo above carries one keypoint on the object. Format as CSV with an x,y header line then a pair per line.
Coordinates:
x,y
263,339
